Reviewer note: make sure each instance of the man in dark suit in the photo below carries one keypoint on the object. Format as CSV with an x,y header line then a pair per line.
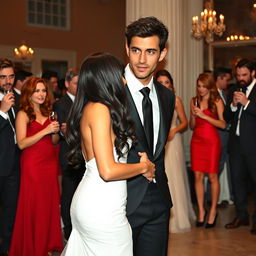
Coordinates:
x,y
20,78
151,108
222,77
9,156
70,176
240,112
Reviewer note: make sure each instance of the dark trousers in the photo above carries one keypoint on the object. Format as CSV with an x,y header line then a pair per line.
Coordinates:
x,y
9,189
243,171
150,224
224,158
70,181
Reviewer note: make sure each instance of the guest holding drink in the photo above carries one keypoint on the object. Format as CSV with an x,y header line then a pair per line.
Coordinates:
x,y
37,229
206,115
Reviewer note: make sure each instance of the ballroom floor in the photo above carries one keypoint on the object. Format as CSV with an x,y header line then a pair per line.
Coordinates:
x,y
215,242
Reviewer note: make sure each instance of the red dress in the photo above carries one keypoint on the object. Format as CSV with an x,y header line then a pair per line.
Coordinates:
x,y
205,145
37,228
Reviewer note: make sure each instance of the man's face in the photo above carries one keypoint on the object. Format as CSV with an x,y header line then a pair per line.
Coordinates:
x,y
54,83
72,85
244,76
6,78
223,81
144,55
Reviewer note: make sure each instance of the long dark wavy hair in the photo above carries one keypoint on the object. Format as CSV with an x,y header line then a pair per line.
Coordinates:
x,y
25,104
100,80
207,80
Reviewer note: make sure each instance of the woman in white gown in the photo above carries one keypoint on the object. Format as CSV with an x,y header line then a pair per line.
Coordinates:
x,y
100,130
182,212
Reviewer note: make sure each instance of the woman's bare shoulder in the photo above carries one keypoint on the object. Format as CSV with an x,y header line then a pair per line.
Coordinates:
x,y
95,111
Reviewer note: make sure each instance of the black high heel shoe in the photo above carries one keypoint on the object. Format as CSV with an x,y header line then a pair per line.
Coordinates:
x,y
201,223
208,225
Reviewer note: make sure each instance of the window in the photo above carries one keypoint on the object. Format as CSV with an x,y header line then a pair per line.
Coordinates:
x,y
48,13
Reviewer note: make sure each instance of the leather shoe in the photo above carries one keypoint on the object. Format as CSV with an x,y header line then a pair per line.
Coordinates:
x,y
237,222
253,230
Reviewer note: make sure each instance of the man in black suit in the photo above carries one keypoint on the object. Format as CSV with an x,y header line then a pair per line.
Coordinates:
x,y
20,78
51,78
151,108
240,112
222,77
70,176
9,156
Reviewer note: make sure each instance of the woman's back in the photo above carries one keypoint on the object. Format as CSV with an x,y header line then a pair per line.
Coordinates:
x,y
98,205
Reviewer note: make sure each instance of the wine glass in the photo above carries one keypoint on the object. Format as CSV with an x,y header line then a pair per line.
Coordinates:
x,y
53,116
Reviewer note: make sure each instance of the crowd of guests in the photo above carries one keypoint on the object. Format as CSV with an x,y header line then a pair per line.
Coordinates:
x,y
31,169
123,125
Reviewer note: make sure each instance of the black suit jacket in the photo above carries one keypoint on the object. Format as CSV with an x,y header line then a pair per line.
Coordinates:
x,y
17,99
62,107
137,186
8,147
247,136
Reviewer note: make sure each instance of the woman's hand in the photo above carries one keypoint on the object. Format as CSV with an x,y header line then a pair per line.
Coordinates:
x,y
149,173
198,112
171,134
53,127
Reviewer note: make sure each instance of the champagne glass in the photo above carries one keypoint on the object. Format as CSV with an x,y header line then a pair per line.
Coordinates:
x,y
7,91
53,116
196,104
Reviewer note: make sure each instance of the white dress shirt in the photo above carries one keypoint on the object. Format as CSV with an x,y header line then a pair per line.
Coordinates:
x,y
248,91
221,95
135,86
71,96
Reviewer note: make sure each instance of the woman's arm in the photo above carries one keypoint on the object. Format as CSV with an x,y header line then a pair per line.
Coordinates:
x,y
220,122
21,131
182,118
97,118
192,115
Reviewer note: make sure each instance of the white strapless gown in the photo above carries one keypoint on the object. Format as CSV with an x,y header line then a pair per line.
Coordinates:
x,y
182,212
98,214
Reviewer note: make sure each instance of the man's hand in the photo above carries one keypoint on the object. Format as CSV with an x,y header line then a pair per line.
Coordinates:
x,y
239,97
7,102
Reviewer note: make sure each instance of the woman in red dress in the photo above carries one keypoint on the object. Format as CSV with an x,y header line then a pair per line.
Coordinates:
x,y
206,115
37,229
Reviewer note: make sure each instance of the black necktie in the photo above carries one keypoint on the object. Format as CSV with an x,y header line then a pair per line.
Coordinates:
x,y
148,117
11,117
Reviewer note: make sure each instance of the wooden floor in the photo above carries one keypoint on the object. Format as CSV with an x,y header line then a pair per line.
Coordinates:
x,y
217,241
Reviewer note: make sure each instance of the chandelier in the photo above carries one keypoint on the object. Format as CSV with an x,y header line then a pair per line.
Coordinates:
x,y
24,52
208,25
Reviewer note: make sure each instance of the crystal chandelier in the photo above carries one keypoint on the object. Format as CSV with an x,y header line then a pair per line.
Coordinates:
x,y
208,25
24,52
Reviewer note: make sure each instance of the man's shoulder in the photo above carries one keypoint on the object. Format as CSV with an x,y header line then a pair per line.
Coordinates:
x,y
163,90
63,101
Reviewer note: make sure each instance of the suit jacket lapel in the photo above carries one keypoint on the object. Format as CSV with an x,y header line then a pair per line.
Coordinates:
x,y
140,132
163,126
252,94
